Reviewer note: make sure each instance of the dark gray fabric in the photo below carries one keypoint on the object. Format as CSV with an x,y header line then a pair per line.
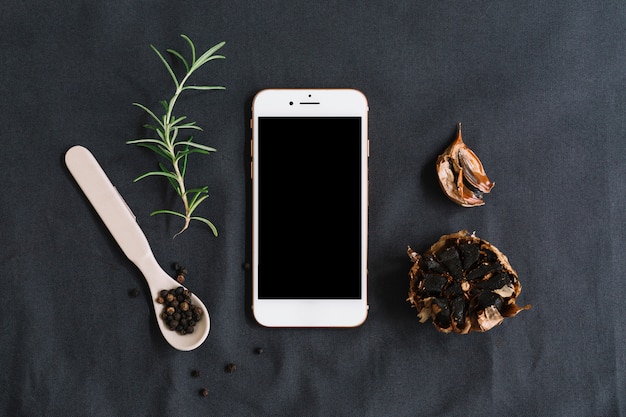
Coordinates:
x,y
540,88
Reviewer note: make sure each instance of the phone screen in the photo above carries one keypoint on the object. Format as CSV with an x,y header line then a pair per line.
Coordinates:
x,y
309,207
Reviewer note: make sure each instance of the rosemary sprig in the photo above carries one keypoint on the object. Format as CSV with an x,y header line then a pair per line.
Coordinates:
x,y
168,143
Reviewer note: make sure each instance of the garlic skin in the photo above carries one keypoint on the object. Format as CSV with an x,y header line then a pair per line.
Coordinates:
x,y
461,174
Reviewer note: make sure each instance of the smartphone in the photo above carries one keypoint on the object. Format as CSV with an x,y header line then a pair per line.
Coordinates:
x,y
309,170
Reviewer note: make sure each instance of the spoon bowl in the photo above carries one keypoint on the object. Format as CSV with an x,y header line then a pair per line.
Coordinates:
x,y
158,280
122,224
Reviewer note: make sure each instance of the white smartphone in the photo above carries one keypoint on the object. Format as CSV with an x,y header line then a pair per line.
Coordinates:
x,y
310,152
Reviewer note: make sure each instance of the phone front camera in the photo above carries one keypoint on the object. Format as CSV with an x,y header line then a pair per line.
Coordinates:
x,y
291,103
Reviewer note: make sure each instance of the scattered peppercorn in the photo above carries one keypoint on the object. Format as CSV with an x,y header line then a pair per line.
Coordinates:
x,y
134,292
179,313
179,268
195,373
204,392
181,272
258,350
230,368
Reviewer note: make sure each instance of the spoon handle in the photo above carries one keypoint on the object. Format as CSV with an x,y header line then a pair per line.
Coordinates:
x,y
109,204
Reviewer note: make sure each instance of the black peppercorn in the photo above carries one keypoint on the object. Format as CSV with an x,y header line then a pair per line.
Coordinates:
x,y
195,373
180,269
204,392
258,350
179,313
230,368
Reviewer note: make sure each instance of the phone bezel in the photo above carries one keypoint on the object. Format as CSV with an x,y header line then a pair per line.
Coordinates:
x,y
310,103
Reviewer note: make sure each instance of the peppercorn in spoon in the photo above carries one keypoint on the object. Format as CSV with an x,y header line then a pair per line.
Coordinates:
x,y
122,224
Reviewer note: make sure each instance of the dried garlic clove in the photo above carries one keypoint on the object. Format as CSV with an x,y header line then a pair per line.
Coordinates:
x,y
463,284
473,170
461,174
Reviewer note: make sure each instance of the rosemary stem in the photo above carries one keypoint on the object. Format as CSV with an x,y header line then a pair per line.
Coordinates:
x,y
170,142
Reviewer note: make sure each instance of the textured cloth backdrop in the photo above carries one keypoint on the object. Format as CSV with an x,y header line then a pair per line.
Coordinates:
x,y
540,88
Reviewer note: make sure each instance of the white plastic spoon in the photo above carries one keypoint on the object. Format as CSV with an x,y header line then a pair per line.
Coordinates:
x,y
122,224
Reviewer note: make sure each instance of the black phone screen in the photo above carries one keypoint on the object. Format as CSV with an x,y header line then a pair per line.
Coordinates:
x,y
309,190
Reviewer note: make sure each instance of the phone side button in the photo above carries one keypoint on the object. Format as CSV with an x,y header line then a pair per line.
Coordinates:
x,y
251,169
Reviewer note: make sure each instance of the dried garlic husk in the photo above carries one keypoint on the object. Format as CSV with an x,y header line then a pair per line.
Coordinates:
x,y
461,174
463,284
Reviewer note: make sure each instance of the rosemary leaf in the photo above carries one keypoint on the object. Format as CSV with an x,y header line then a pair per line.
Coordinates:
x,y
155,173
203,87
